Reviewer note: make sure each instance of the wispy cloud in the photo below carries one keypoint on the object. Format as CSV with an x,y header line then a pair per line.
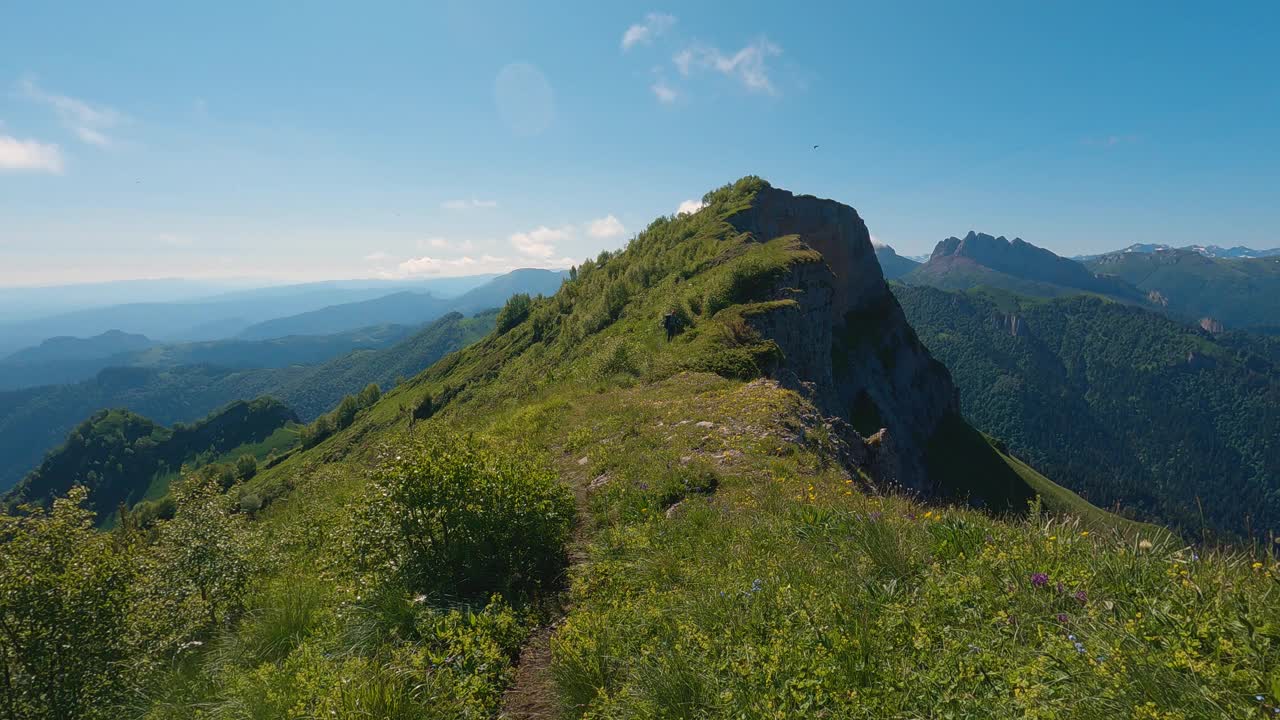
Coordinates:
x,y
173,240
688,207
748,66
442,243
664,92
540,242
472,204
643,33
29,155
90,123
606,227
1110,140
378,256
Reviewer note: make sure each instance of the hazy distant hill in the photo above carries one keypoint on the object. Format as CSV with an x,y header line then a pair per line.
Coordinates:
x,y
892,264
1240,293
407,308
35,420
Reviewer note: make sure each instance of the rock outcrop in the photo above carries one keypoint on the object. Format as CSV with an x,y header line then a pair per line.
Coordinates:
x,y
845,336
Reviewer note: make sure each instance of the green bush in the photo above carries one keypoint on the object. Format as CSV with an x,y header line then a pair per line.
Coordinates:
x,y
454,519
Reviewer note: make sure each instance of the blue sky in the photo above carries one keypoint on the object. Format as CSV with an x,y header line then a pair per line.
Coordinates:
x,y
238,139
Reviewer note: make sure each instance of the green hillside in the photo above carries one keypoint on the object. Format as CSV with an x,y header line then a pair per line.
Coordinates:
x,y
627,502
1241,293
116,454
1125,406
36,420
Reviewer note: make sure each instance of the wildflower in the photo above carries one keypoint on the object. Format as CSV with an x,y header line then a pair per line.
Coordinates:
x,y
1145,544
1084,533
1080,648
1259,698
1082,597
1039,579
1062,618
1257,566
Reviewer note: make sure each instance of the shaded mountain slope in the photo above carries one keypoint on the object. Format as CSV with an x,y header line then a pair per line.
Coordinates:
x,y
1126,406
116,454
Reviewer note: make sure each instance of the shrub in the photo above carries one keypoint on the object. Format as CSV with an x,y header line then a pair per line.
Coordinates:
x,y
454,519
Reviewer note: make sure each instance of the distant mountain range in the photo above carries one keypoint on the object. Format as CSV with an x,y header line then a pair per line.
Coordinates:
x,y
35,420
1214,251
1233,293
306,338
27,320
407,308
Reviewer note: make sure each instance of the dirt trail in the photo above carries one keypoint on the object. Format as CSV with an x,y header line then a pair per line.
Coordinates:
x,y
532,696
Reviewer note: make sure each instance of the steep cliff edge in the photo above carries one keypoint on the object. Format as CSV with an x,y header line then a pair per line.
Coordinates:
x,y
843,334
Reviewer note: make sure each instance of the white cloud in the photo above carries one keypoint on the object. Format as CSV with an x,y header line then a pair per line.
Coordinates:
x,y
427,265
643,33
605,227
377,256
747,66
540,242
688,207
18,154
472,204
89,123
468,265
664,92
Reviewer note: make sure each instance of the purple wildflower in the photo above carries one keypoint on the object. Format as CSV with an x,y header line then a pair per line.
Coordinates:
x,y
1062,618
1039,579
1059,587
1082,597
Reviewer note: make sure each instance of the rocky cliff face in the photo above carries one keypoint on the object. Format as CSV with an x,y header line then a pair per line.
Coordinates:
x,y
845,336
